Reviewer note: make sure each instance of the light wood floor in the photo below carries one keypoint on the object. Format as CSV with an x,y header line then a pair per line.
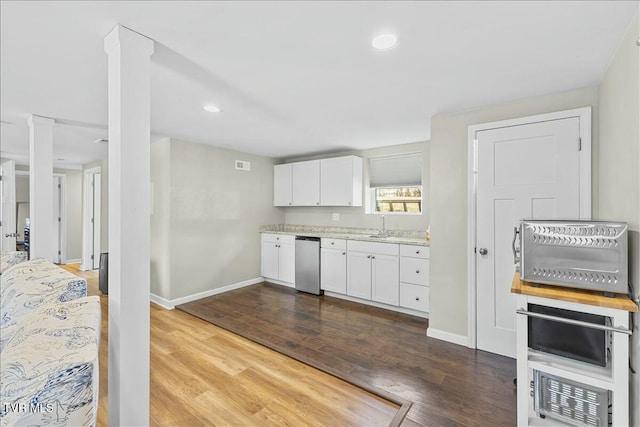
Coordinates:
x,y
205,375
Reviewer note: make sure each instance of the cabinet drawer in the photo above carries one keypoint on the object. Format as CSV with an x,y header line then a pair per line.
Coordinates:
x,y
373,247
414,297
414,270
414,251
278,238
333,243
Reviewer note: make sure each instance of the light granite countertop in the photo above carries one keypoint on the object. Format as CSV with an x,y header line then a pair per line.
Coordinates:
x,y
403,237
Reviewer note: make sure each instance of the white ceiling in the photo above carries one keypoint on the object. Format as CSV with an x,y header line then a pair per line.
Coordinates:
x,y
295,78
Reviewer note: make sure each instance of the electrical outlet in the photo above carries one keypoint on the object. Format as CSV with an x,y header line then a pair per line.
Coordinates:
x,y
336,217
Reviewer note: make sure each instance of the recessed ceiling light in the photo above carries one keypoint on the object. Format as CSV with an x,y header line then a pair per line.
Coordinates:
x,y
384,41
212,108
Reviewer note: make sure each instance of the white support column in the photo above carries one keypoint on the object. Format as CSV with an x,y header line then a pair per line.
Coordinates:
x,y
41,242
129,224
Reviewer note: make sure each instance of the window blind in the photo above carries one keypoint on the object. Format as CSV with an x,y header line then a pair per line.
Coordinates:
x,y
394,171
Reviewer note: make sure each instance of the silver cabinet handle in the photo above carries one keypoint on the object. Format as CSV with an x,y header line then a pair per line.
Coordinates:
x,y
418,252
333,243
417,298
368,256
516,252
417,271
349,203
344,253
317,203
373,257
573,322
289,203
483,251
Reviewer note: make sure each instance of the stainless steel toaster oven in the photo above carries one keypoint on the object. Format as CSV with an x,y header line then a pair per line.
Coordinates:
x,y
579,254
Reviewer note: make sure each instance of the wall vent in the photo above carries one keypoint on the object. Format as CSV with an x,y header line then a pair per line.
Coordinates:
x,y
243,165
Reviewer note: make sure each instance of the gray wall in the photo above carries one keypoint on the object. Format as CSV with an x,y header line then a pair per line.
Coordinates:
x,y
356,216
161,218
619,177
214,213
448,201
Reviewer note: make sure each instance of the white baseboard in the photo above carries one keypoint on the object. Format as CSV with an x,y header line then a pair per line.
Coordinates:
x,y
447,336
170,304
74,261
379,305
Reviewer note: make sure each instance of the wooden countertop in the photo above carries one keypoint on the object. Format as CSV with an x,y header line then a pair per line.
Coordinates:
x,y
581,296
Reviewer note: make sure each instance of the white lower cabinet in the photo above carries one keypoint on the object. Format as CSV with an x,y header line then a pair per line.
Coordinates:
x,y
415,297
372,271
414,277
384,279
333,271
278,257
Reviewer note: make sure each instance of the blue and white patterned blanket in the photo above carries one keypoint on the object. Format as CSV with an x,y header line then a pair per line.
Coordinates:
x,y
49,338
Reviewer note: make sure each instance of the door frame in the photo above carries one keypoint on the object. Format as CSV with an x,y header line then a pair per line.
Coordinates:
x,y
87,227
584,115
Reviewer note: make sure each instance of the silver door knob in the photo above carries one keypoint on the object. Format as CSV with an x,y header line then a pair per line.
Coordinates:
x,y
483,251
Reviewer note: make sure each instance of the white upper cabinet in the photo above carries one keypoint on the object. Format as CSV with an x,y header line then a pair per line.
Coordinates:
x,y
306,183
282,185
341,181
328,182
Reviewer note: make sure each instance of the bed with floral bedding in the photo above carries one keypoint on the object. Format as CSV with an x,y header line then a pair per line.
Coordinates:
x,y
49,338
7,259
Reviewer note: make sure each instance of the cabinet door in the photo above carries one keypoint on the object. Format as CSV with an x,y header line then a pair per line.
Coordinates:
x,y
333,275
287,262
306,183
282,185
385,279
269,260
359,274
336,181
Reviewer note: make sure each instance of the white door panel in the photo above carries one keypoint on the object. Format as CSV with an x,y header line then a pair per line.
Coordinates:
x,y
96,226
526,171
333,275
359,274
287,262
306,183
385,275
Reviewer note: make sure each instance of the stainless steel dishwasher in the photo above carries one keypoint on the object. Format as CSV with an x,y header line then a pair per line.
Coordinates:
x,y
308,265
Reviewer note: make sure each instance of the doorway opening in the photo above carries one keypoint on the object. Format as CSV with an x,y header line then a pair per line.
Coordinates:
x,y
91,219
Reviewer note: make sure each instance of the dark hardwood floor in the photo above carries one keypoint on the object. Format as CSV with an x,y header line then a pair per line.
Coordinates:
x,y
447,384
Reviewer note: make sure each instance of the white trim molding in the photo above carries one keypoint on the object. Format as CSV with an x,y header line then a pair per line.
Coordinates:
x,y
584,116
396,308
171,304
447,336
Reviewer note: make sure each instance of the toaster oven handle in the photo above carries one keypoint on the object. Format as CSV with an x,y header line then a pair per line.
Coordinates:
x,y
573,322
516,252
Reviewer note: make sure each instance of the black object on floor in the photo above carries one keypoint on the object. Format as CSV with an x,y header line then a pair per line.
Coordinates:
x,y
103,278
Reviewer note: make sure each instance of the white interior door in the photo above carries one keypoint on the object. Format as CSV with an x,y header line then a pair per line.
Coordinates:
x,y
96,219
525,171
57,220
8,206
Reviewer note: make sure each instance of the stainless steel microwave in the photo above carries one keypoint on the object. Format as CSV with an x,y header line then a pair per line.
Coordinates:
x,y
579,254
